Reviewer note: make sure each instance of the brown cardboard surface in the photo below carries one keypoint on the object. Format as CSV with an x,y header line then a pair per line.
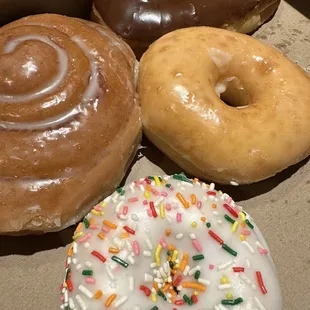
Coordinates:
x,y
32,267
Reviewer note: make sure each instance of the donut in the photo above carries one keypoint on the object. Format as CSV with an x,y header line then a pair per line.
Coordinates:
x,y
69,120
224,106
169,243
142,22
15,9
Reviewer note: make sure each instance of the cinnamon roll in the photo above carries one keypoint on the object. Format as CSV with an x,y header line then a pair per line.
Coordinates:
x,y
69,120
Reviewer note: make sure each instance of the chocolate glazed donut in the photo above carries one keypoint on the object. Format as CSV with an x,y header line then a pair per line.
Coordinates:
x,y
142,22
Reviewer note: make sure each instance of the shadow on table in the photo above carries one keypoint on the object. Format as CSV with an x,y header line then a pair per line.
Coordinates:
x,y
303,6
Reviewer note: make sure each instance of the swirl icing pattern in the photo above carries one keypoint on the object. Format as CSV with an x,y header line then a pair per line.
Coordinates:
x,y
69,119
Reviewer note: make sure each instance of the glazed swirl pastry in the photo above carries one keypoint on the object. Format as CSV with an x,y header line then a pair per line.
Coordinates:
x,y
69,119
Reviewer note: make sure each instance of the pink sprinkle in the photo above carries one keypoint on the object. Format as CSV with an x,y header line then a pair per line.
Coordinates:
x,y
98,208
245,232
164,194
262,251
136,247
105,229
118,215
155,192
145,202
90,280
199,204
171,188
197,245
62,298
85,238
149,212
228,200
125,210
163,243
94,226
179,217
168,207
211,266
133,199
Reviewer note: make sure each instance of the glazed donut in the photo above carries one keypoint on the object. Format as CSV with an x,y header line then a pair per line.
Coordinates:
x,y
142,22
69,120
169,243
185,79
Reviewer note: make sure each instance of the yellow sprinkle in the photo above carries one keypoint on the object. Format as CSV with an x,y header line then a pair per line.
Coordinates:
x,y
194,224
157,182
229,296
101,236
109,224
146,195
95,212
124,235
103,204
174,255
79,227
242,215
224,280
154,298
78,235
64,284
220,192
157,255
176,266
70,250
242,238
162,211
234,226
196,293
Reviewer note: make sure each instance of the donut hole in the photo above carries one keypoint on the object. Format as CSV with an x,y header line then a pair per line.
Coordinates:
x,y
232,92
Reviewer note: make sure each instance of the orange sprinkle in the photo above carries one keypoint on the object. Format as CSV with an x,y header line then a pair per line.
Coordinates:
x,y
155,285
184,261
214,206
196,180
171,247
70,250
193,199
194,285
98,294
169,259
91,221
183,201
109,224
166,287
243,224
148,188
163,181
168,232
110,300
101,236
173,293
79,227
124,235
203,219
113,250
173,272
173,300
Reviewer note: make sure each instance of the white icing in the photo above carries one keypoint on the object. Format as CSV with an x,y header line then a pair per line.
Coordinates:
x,y
220,58
143,266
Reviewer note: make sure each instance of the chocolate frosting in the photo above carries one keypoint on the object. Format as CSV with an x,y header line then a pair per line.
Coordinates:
x,y
148,20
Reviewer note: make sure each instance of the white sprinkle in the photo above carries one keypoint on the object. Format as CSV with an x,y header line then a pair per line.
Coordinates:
x,y
69,260
224,286
248,246
225,265
128,245
74,247
81,302
71,303
147,253
179,236
74,261
132,189
169,295
153,290
247,280
204,281
259,244
120,302
192,236
182,189
180,288
141,188
119,206
158,275
212,186
108,199
153,183
205,198
168,218
131,259
216,213
62,306
169,279
85,291
114,198
148,243
166,267
131,283
119,243
109,272
134,217
157,280
233,183
148,277
66,296
122,198
248,263
162,272
220,222
153,265
177,261
259,304
158,201
187,184
86,245
155,272
88,264
193,270
123,217
160,285
78,267
186,270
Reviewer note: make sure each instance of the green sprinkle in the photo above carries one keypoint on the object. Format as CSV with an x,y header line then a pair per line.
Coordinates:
x,y
150,177
154,308
197,274
171,264
161,294
208,224
86,222
227,302
249,224
122,192
182,177
229,250
238,301
67,273
198,257
87,272
119,261
186,298
229,219
119,190
169,253
160,179
168,185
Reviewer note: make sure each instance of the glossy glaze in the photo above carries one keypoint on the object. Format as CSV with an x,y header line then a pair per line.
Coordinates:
x,y
68,106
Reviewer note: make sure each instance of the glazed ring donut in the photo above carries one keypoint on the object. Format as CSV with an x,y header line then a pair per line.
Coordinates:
x,y
169,243
185,79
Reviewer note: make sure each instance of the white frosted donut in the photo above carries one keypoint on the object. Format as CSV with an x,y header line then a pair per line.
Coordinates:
x,y
169,243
